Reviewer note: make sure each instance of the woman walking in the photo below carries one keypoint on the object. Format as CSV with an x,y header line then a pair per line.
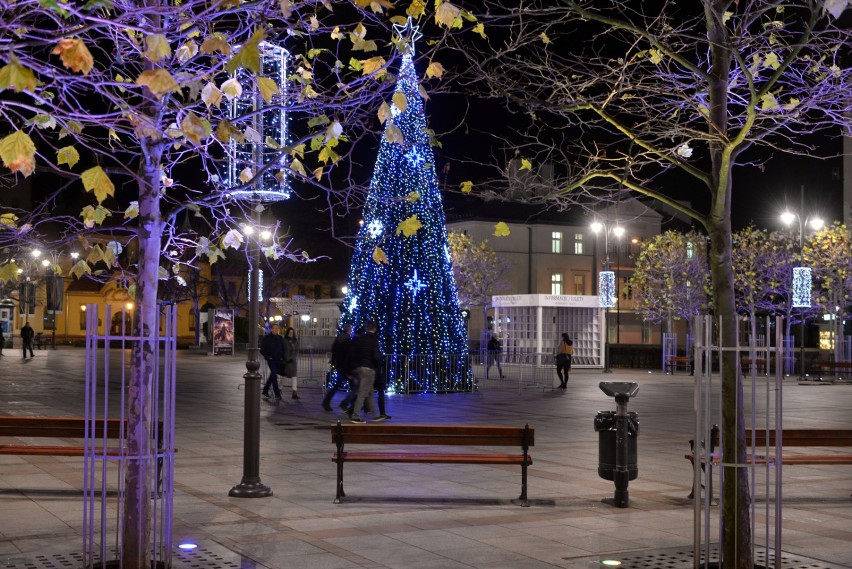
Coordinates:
x,y
289,368
564,354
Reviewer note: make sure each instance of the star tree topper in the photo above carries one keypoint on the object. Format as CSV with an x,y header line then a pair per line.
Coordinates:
x,y
408,34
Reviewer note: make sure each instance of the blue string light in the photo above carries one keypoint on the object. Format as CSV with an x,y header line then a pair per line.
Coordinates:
x,y
413,296
801,287
606,289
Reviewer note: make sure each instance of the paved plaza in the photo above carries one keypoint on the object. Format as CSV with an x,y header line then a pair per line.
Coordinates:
x,y
412,516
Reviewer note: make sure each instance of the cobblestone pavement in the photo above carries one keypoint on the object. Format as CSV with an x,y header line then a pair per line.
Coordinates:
x,y
408,515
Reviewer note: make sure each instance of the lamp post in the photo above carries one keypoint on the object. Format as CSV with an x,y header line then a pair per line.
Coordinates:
x,y
606,283
801,285
250,486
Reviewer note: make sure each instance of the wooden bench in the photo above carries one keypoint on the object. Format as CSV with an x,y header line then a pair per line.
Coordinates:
x,y
823,366
343,435
758,363
39,341
65,428
673,361
801,438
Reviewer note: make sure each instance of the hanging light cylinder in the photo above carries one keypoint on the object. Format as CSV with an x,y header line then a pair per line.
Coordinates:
x,y
606,289
802,287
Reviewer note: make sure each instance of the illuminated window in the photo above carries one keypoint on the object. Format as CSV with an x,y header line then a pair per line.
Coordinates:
x,y
556,283
578,243
555,241
579,284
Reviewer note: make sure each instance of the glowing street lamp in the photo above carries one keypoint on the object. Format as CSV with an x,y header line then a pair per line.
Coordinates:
x,y
607,295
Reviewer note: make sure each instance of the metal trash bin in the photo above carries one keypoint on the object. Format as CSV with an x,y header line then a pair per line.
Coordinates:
x,y
605,427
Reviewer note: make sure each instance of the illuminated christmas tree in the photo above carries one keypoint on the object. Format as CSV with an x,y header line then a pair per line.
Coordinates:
x,y
401,275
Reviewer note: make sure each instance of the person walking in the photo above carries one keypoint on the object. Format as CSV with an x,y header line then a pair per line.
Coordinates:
x,y
564,355
494,349
27,335
272,349
290,351
366,359
340,371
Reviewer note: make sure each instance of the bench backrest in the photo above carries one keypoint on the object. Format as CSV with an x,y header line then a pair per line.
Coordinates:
x,y
62,427
433,435
804,438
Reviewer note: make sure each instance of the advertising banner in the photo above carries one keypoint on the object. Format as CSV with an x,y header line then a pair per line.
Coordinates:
x,y
223,332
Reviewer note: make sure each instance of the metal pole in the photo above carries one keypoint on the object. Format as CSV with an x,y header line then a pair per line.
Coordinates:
x,y
251,486
606,368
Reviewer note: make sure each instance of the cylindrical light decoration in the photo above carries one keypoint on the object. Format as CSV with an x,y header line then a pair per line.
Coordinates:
x,y
55,286
268,121
606,289
801,287
259,286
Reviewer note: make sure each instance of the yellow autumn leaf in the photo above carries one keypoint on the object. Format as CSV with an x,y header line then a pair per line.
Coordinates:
x,y
267,88
132,210
413,197
380,257
393,134
8,272
18,152
8,219
416,9
17,77
81,268
74,55
374,65
544,38
525,165
318,173
501,229
216,42
232,88
187,51
448,15
67,155
435,69
226,131
195,128
211,95
409,226
159,81
248,56
96,180
384,113
466,187
156,47
246,175
400,101
297,166
335,33
480,29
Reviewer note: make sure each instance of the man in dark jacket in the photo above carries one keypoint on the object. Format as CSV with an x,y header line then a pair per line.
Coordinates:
x,y
272,349
366,358
340,369
27,337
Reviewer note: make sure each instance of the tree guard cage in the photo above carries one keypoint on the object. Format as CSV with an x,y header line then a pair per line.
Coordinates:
x,y
534,324
107,460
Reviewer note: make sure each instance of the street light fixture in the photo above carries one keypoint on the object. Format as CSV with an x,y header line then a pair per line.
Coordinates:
x,y
801,285
607,295
250,486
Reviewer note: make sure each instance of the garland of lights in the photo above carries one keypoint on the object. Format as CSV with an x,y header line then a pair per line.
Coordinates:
x,y
606,289
401,280
270,124
801,287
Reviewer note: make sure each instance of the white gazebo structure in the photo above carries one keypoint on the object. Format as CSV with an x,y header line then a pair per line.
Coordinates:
x,y
532,324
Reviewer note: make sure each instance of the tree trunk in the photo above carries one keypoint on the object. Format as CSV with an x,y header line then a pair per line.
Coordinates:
x,y
136,527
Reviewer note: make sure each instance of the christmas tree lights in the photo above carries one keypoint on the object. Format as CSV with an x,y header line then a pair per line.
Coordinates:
x,y
401,274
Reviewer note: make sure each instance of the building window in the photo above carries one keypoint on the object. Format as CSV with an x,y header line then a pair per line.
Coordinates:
x,y
580,284
556,283
646,332
578,243
555,241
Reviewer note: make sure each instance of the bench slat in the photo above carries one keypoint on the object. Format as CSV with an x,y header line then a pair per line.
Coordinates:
x,y
34,450
804,438
449,458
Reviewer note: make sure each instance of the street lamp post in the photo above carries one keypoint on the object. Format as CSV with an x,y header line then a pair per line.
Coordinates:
x,y
607,284
816,223
250,486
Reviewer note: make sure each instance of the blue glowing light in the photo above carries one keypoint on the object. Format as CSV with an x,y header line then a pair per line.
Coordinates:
x,y
412,298
801,287
606,289
187,546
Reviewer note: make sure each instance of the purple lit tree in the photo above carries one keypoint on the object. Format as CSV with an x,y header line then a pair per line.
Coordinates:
x,y
140,103
679,96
